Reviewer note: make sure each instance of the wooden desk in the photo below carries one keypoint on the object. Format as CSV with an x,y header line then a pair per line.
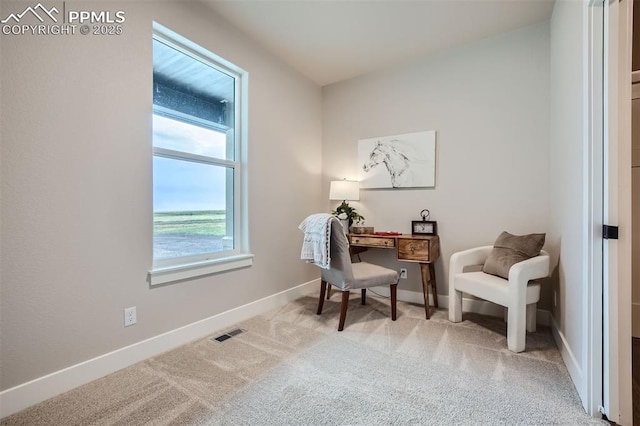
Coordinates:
x,y
422,249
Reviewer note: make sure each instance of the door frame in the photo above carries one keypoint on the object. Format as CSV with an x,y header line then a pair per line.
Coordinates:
x,y
593,311
616,352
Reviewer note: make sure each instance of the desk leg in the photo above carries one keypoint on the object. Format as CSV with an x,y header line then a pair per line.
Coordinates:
x,y
425,286
432,280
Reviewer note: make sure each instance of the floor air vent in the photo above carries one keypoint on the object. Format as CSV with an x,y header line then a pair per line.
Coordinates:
x,y
228,335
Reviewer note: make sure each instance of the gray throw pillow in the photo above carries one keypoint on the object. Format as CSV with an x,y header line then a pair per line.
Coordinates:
x,y
511,249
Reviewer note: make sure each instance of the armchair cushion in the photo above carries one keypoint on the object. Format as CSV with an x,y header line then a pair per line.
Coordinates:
x,y
511,249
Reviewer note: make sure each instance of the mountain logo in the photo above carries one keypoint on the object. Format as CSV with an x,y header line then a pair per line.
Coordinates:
x,y
38,11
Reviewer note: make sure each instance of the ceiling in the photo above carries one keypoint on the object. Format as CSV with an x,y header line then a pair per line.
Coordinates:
x,y
333,40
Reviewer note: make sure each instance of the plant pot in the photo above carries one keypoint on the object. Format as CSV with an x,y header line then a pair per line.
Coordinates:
x,y
345,225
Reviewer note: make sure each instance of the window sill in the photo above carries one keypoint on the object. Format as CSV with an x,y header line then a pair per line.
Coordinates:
x,y
187,271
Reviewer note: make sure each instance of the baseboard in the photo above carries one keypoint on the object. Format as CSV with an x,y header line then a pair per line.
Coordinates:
x,y
30,393
468,305
635,319
569,358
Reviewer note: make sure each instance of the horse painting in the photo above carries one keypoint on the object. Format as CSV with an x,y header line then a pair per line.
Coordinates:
x,y
409,161
397,163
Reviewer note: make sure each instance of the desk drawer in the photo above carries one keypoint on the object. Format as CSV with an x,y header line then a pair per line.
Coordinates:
x,y
372,241
415,250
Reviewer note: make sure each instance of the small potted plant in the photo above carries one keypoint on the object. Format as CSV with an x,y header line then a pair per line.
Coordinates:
x,y
348,215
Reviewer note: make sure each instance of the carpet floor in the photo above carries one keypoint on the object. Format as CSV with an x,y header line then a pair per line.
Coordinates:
x,y
291,367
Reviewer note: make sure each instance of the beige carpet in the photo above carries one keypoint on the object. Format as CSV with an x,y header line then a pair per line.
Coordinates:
x,y
292,367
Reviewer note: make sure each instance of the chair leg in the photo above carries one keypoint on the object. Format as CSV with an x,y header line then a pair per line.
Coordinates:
x,y
516,329
364,296
394,300
531,317
343,309
455,305
328,291
323,289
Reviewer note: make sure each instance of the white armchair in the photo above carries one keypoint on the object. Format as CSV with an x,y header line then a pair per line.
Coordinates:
x,y
518,294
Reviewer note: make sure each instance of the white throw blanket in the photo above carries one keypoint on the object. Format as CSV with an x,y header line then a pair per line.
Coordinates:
x,y
317,238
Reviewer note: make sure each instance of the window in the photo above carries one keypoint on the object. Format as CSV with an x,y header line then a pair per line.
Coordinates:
x,y
197,161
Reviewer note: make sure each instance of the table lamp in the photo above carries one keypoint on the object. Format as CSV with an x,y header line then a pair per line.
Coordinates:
x,y
345,190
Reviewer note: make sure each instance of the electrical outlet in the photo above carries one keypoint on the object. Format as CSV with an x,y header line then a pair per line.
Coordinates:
x,y
403,273
130,316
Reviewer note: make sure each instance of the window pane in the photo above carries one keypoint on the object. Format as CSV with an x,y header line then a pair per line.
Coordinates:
x,y
180,136
193,208
193,90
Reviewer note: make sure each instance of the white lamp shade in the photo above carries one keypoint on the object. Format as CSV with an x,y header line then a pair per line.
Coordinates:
x,y
348,190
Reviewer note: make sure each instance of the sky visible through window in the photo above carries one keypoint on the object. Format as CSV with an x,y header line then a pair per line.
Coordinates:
x,y
185,185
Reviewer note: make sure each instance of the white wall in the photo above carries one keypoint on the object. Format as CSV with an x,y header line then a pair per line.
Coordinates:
x,y
76,185
567,194
489,103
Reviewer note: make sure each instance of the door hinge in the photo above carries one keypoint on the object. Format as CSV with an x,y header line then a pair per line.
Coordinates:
x,y
609,232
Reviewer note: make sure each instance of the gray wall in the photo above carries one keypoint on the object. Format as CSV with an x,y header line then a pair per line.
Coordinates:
x,y
567,171
76,185
489,103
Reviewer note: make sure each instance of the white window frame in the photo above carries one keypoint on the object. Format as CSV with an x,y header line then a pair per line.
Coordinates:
x,y
177,269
